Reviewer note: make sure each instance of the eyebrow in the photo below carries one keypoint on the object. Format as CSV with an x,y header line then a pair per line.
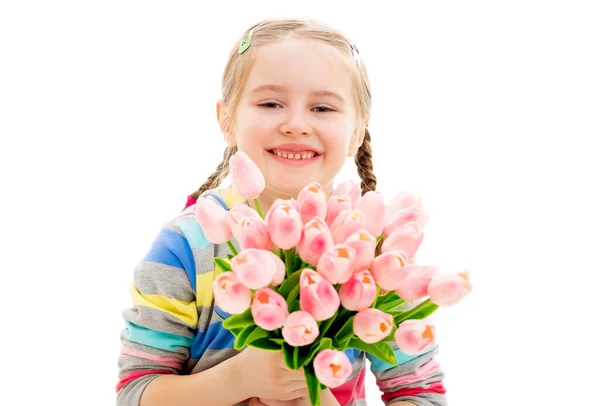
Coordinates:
x,y
277,88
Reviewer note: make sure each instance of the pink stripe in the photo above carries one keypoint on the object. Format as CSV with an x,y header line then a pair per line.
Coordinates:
x,y
424,372
351,391
172,362
137,374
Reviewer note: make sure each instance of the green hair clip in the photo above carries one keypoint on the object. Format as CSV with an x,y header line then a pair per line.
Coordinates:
x,y
245,44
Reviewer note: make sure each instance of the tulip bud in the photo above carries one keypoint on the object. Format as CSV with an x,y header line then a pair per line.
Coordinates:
x,y
373,207
312,202
213,221
447,290
336,205
372,325
350,189
230,295
407,239
247,180
415,336
317,296
389,270
300,329
269,309
284,223
359,292
364,244
332,367
337,264
254,233
346,224
316,239
415,284
255,268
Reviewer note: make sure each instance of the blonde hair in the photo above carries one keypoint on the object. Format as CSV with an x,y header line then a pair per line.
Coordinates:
x,y
239,65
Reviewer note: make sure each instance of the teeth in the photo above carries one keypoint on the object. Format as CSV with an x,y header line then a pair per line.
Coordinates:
x,y
296,156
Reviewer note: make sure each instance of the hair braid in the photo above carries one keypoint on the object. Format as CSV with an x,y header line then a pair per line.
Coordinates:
x,y
217,176
364,164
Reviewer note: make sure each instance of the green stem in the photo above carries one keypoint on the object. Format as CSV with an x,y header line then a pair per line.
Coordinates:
x,y
259,209
232,248
289,259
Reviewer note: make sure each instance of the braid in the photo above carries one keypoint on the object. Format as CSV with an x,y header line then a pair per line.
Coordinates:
x,y
217,176
364,164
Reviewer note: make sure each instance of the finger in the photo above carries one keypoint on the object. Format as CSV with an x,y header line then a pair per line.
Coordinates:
x,y
257,402
294,394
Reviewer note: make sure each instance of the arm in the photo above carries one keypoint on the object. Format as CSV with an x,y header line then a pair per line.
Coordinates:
x,y
160,329
415,381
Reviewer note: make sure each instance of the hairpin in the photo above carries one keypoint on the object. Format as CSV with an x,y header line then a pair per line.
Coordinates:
x,y
246,41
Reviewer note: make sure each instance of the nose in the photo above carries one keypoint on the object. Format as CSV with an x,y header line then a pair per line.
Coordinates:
x,y
295,123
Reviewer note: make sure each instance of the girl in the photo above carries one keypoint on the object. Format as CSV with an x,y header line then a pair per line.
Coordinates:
x,y
296,99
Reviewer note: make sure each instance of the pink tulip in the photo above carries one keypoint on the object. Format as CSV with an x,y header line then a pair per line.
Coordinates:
x,y
332,367
373,207
213,221
279,265
359,292
408,239
389,270
316,239
372,325
248,181
413,214
256,268
347,223
312,202
336,205
414,286
364,244
400,202
317,295
300,329
236,214
230,294
254,233
269,309
350,189
415,336
285,224
447,290
337,264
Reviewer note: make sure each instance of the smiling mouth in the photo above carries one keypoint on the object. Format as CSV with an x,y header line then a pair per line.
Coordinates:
x,y
294,155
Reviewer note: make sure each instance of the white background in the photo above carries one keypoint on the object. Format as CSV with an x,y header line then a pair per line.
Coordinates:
x,y
489,110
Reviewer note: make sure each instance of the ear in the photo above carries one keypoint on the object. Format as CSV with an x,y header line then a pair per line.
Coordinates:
x,y
224,124
357,139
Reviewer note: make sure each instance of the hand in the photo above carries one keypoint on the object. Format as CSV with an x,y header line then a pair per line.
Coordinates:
x,y
263,374
303,401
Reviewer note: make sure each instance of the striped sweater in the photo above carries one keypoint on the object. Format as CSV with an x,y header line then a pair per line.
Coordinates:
x,y
174,327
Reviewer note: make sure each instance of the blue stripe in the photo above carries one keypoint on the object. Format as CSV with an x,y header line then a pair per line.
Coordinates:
x,y
215,338
401,358
172,249
153,338
193,233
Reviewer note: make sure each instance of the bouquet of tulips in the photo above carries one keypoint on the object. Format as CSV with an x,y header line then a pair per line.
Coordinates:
x,y
318,275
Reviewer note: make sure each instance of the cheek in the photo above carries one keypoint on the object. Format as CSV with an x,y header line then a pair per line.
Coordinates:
x,y
252,129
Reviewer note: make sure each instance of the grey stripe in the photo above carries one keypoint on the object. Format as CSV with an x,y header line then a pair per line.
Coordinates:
x,y
180,352
152,278
128,363
130,394
158,320
424,399
406,368
210,358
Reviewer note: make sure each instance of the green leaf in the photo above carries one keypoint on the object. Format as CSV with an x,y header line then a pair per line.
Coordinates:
x,y
288,355
230,256
257,334
295,306
293,295
223,264
325,324
318,346
295,361
346,332
266,344
242,338
314,386
239,320
289,284
419,312
391,305
381,349
278,340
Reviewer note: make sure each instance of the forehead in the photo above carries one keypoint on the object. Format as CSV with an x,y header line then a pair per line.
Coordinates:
x,y
302,66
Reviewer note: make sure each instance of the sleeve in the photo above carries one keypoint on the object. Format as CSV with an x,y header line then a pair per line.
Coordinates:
x,y
415,378
161,325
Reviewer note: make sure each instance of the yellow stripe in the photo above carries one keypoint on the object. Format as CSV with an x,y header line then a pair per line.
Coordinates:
x,y
184,311
230,197
204,292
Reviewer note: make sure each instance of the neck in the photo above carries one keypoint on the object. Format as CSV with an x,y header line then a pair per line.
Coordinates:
x,y
269,196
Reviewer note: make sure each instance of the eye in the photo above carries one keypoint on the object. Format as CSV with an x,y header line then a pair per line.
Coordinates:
x,y
323,109
270,105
